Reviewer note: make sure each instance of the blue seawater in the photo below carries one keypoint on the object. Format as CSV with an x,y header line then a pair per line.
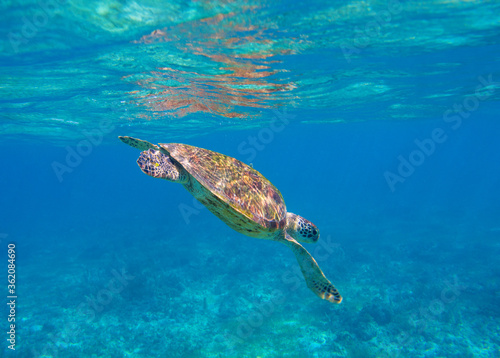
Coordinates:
x,y
377,120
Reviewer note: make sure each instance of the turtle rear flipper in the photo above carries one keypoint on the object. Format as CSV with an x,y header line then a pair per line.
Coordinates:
x,y
138,143
315,278
158,165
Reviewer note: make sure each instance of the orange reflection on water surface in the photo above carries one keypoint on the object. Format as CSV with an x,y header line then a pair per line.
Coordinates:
x,y
232,69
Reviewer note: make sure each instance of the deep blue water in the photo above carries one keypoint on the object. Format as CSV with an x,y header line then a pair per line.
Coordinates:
x,y
386,140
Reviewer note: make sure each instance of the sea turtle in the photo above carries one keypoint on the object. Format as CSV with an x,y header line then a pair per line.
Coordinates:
x,y
238,195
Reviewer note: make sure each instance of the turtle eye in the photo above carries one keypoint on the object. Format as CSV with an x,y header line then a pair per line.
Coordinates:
x,y
157,164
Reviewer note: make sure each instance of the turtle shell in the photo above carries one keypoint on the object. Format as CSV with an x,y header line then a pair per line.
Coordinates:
x,y
242,187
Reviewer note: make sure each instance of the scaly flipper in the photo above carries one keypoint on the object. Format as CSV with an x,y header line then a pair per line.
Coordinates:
x,y
158,165
315,278
138,143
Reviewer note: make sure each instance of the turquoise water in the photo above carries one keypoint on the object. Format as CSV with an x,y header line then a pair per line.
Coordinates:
x,y
378,121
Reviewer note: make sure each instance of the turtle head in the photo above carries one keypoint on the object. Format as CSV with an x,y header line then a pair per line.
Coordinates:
x,y
301,229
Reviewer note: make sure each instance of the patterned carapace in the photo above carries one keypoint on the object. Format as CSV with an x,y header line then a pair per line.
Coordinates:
x,y
236,183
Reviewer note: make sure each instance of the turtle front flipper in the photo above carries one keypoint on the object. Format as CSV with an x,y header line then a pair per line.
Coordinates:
x,y
158,165
315,278
138,143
